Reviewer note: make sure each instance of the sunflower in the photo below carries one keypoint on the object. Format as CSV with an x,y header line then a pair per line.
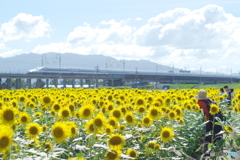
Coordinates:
x,y
147,120
64,113
46,100
33,130
14,103
130,118
113,154
228,129
89,126
60,132
109,129
116,141
116,113
132,153
56,107
141,109
44,128
122,127
1,103
140,101
99,121
38,114
48,146
166,134
214,109
172,114
154,112
73,128
8,115
6,136
86,111
22,98
24,118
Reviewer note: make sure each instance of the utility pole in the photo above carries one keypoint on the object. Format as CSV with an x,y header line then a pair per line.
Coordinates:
x,y
97,69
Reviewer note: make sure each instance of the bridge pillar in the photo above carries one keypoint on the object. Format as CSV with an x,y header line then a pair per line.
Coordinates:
x,y
64,83
38,83
96,83
29,85
104,82
18,83
73,83
55,81
47,83
81,82
8,83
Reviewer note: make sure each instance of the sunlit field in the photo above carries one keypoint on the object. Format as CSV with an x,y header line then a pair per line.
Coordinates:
x,y
111,124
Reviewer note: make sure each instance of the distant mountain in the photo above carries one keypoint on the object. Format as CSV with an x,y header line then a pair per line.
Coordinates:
x,y
24,62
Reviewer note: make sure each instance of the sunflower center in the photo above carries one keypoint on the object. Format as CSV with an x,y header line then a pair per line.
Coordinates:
x,y
110,107
140,102
108,130
141,110
8,115
46,100
154,112
132,154
151,145
22,99
172,115
115,140
58,132
146,120
116,114
91,128
4,141
33,130
14,104
112,122
65,113
71,107
56,107
73,130
129,118
214,109
166,134
24,119
86,112
112,155
98,122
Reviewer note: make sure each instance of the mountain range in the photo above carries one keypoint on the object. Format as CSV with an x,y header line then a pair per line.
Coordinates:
x,y
25,62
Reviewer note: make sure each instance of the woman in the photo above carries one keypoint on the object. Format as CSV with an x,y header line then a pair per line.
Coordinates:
x,y
204,103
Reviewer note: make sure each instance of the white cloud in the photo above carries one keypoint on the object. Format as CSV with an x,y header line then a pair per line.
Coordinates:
x,y
2,46
24,25
107,32
138,19
11,53
206,37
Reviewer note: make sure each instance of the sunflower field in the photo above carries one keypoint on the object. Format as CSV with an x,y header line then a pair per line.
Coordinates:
x,y
111,124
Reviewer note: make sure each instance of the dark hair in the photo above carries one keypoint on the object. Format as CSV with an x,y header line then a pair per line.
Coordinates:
x,y
231,89
221,89
225,87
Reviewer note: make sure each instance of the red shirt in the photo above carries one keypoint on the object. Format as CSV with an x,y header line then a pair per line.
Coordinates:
x,y
203,106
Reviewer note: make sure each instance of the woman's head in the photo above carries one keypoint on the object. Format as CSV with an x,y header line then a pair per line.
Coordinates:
x,y
221,90
202,94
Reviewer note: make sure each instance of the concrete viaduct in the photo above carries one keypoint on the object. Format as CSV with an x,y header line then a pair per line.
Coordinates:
x,y
13,80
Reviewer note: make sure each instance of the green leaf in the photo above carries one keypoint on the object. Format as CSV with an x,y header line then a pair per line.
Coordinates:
x,y
79,155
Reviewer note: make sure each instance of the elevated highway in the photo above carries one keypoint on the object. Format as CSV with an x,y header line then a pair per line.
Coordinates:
x,y
109,78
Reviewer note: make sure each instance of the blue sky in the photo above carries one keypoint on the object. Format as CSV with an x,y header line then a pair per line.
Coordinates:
x,y
189,34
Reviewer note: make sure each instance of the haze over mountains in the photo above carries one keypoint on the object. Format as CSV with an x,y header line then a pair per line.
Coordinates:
x,y
25,62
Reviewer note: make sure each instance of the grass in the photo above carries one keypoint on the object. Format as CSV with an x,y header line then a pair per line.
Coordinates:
x,y
204,86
